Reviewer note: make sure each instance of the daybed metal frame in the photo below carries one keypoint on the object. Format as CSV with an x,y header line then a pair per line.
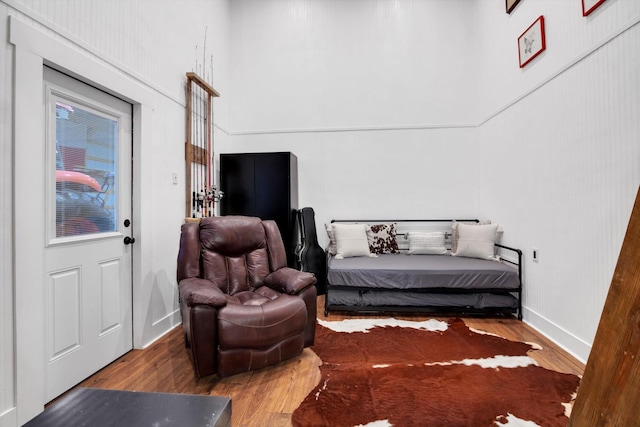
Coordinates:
x,y
517,292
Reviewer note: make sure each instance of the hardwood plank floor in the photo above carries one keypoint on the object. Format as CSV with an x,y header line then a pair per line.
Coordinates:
x,y
269,396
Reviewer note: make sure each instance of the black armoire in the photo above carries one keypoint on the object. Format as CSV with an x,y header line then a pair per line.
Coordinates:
x,y
263,185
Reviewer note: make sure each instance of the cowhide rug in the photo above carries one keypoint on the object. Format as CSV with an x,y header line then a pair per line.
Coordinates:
x,y
386,372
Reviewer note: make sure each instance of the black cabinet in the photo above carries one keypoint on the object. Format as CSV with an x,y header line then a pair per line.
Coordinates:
x,y
263,185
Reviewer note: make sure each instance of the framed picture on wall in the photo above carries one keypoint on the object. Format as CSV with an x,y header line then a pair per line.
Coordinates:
x,y
510,4
589,6
532,42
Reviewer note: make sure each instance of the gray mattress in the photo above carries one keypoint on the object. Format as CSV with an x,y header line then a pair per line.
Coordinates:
x,y
403,271
382,298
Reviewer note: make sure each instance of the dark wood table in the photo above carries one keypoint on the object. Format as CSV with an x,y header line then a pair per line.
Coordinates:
x,y
106,408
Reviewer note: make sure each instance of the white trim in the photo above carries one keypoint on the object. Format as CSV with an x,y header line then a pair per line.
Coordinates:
x,y
9,418
224,130
29,234
171,318
354,129
49,25
80,43
162,326
570,64
171,328
573,345
34,49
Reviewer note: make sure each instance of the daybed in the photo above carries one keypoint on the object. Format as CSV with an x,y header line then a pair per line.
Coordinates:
x,y
447,266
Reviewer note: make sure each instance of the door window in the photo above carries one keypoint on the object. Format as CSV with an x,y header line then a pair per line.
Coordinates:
x,y
86,141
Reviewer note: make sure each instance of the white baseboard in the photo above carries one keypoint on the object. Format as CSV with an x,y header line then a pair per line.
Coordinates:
x,y
161,327
9,418
568,342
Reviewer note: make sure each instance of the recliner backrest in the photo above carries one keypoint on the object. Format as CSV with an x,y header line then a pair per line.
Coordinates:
x,y
234,252
189,262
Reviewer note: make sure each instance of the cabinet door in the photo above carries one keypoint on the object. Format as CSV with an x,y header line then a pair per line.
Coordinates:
x,y
272,188
237,182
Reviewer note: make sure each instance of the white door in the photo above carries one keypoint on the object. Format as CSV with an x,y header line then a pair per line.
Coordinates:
x,y
88,285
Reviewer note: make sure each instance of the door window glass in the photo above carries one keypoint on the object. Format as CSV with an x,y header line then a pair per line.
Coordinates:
x,y
86,142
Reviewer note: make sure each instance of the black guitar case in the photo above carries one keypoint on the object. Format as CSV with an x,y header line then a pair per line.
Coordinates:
x,y
311,257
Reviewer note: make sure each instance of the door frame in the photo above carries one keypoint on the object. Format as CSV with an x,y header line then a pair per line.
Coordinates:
x,y
33,49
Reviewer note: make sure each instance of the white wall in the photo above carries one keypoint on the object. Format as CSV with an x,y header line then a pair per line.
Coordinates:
x,y
405,108
377,174
374,97
125,47
561,149
400,109
359,63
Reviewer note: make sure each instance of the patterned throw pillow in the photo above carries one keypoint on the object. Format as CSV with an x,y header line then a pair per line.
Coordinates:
x,y
331,249
382,239
430,243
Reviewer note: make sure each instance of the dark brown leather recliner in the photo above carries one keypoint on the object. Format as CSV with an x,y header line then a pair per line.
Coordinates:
x,y
242,307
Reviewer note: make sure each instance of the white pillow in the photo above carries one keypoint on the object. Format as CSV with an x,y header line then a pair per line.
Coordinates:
x,y
454,231
351,240
477,241
431,243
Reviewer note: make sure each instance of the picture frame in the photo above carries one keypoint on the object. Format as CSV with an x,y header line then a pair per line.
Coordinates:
x,y
531,42
589,6
510,5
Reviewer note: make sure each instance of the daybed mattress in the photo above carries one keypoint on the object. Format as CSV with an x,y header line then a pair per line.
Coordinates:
x,y
385,298
403,271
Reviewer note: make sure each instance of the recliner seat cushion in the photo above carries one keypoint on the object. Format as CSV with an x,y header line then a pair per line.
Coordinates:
x,y
246,325
247,298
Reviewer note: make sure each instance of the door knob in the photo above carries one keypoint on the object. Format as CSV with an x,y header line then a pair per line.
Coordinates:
x,y
129,240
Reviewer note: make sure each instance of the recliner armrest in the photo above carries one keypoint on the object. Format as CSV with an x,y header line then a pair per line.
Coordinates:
x,y
194,291
290,281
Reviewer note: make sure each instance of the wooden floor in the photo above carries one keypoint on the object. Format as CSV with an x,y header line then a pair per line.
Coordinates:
x,y
268,397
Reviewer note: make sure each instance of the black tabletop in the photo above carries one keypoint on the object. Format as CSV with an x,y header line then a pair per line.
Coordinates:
x,y
107,408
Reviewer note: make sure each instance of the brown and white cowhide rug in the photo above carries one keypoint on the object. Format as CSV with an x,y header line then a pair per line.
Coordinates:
x,y
387,372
